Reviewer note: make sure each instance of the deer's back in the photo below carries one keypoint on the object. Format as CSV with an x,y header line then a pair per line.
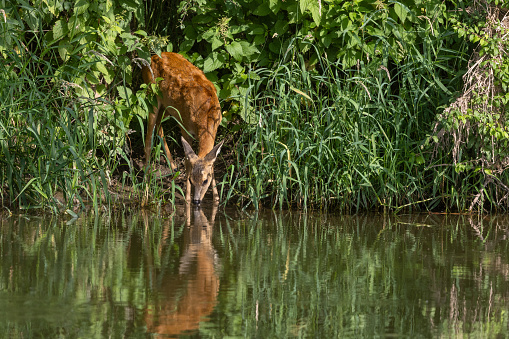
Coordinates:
x,y
186,88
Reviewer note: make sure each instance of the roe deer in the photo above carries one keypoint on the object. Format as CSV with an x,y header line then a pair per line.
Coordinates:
x,y
191,98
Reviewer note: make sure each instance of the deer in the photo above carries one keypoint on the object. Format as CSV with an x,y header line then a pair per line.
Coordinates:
x,y
188,96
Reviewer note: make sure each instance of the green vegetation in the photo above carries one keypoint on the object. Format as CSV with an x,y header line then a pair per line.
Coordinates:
x,y
327,104
281,275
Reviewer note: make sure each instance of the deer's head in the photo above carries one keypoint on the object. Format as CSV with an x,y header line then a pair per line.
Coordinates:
x,y
200,171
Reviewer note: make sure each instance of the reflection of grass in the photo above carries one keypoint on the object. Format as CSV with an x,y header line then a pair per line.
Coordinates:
x,y
352,278
280,274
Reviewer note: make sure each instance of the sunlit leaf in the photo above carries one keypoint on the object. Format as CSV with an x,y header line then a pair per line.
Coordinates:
x,y
401,12
235,49
59,29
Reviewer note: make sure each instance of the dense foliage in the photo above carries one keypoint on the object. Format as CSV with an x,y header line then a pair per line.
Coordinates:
x,y
331,104
473,130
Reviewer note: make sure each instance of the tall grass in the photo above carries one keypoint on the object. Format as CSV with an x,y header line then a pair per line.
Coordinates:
x,y
58,150
348,139
47,137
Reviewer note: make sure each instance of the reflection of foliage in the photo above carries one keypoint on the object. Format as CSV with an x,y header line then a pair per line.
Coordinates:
x,y
326,277
281,275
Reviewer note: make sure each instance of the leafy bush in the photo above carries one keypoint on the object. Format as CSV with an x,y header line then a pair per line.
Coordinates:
x,y
472,134
229,39
62,62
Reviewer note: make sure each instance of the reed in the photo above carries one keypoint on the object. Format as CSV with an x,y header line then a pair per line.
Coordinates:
x,y
352,140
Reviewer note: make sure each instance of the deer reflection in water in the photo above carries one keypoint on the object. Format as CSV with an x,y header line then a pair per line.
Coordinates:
x,y
187,298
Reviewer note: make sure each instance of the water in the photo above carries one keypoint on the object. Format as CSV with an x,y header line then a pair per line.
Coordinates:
x,y
203,273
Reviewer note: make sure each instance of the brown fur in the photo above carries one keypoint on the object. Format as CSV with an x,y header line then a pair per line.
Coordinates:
x,y
191,98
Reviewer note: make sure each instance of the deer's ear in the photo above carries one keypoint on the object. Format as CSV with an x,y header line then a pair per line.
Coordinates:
x,y
187,148
212,155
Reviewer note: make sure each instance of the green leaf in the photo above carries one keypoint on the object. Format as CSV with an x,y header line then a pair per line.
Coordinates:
x,y
190,33
281,27
208,35
52,7
92,78
235,50
213,62
327,40
274,5
391,187
235,29
202,19
124,92
401,11
101,68
216,43
81,7
109,76
186,45
248,49
263,9
144,53
31,17
63,50
255,29
72,214
60,29
130,5
304,4
315,13
346,24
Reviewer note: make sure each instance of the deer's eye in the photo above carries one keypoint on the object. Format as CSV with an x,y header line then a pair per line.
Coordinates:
x,y
205,181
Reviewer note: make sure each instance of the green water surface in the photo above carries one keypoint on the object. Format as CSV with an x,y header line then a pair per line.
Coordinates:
x,y
208,273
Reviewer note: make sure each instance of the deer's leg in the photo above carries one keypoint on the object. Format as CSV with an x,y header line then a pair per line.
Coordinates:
x,y
152,117
188,215
154,122
188,166
215,194
188,188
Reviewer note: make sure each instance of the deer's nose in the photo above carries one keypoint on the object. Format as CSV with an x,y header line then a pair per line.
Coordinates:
x,y
196,202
